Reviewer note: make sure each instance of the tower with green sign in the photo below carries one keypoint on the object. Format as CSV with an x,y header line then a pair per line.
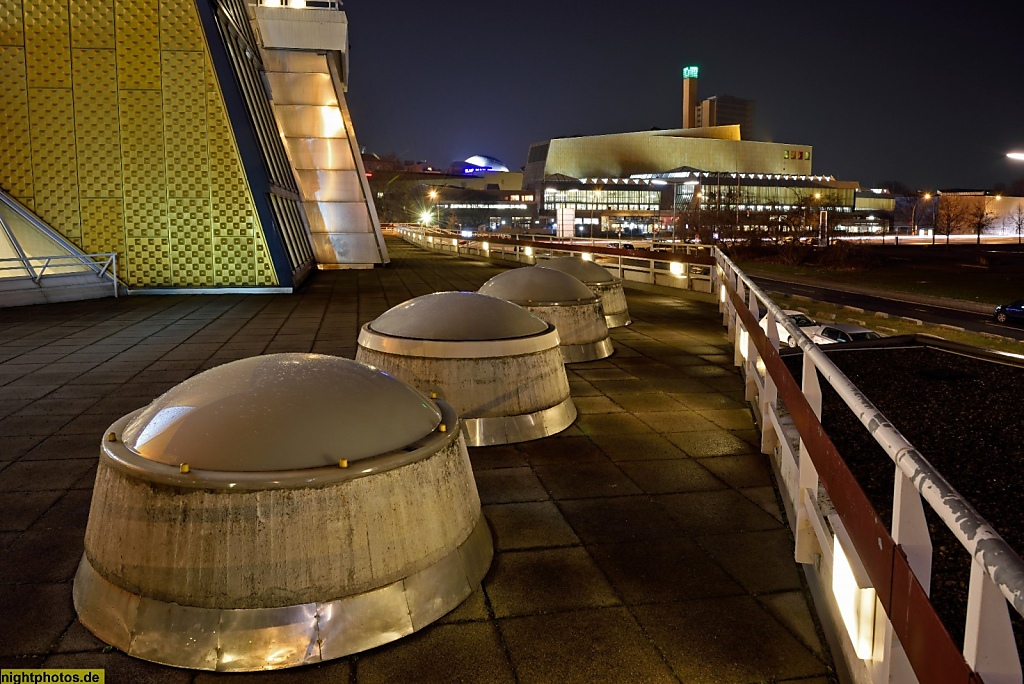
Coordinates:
x,y
689,97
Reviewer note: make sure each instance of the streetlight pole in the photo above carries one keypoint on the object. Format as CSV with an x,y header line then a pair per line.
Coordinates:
x,y
821,232
913,213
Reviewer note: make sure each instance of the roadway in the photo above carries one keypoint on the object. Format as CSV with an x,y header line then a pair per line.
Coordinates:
x,y
892,305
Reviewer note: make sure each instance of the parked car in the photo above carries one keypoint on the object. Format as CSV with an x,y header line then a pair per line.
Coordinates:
x,y
809,326
1014,311
843,332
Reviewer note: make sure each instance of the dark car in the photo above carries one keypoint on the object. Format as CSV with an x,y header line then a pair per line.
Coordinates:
x,y
1014,311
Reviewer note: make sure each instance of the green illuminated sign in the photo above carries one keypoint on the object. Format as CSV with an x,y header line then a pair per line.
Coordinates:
x,y
690,72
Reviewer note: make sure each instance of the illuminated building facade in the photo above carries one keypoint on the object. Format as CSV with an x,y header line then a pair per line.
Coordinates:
x,y
687,202
645,182
196,139
620,155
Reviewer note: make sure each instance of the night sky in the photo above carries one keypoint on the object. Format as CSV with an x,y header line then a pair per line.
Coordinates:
x,y
912,92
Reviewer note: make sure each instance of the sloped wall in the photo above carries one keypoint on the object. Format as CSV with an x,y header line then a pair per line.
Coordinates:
x,y
113,130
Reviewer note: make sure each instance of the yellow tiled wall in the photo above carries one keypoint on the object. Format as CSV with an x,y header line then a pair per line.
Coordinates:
x,y
113,130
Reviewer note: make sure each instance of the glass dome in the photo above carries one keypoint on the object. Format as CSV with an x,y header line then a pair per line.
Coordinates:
x,y
487,162
584,271
281,412
458,317
537,286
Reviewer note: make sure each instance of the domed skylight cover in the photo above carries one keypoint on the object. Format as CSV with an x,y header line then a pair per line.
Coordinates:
x,y
458,317
537,286
281,412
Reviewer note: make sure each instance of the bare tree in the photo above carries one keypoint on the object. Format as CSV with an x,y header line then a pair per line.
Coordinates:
x,y
980,218
1016,219
952,216
915,210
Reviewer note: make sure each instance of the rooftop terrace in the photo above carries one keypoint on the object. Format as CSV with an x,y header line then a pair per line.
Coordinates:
x,y
644,543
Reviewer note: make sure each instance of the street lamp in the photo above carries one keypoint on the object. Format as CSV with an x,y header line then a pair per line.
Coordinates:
x,y
433,196
913,214
822,228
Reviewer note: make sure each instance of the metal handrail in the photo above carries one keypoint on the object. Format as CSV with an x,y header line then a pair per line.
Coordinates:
x,y
38,265
680,270
1001,563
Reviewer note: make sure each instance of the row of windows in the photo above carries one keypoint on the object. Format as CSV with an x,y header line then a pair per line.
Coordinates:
x,y
603,200
602,207
493,206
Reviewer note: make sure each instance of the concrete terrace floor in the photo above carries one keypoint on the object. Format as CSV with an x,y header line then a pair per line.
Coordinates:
x,y
643,544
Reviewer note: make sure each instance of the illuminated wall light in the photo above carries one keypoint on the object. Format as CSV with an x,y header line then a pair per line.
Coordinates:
x,y
430,239
297,4
487,247
723,294
856,601
587,256
529,251
455,242
676,269
334,126
744,339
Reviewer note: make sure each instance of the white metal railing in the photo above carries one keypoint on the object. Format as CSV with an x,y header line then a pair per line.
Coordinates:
x,y
857,561
849,551
101,265
690,268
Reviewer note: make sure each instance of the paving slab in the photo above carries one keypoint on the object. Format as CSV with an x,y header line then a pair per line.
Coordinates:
x,y
583,647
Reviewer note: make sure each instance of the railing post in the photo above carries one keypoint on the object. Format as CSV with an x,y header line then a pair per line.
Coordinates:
x,y
741,293
910,531
807,546
989,646
910,528
768,397
750,393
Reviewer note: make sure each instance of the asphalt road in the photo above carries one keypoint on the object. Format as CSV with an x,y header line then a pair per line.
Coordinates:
x,y
930,314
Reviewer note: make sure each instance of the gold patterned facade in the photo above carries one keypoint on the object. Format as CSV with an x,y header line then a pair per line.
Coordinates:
x,y
113,130
620,155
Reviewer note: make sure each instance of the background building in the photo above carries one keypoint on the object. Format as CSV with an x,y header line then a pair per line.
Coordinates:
x,y
206,142
621,155
726,110
687,203
705,181
471,194
690,103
